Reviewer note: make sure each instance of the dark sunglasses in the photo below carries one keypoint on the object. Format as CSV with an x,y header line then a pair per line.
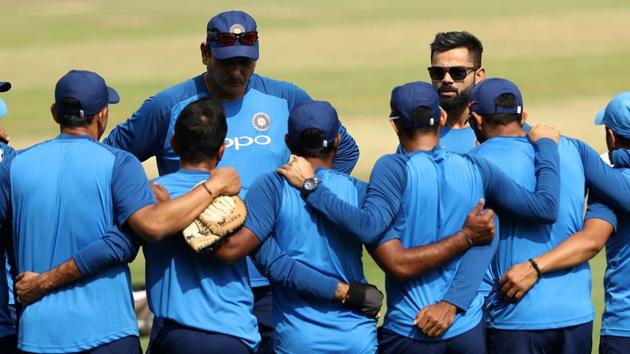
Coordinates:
x,y
229,39
457,73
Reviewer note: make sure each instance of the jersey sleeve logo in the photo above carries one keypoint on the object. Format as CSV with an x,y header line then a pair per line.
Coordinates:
x,y
261,121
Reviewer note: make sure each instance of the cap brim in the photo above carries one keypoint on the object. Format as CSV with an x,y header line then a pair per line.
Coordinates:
x,y
112,96
3,108
599,117
5,86
234,51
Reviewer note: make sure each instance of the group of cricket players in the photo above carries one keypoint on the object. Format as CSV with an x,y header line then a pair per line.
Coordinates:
x,y
482,223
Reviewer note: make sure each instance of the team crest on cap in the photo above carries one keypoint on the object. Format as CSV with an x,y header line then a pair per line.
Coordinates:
x,y
261,121
237,28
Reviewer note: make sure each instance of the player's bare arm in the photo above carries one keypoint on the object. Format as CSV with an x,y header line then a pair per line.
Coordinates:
x,y
155,222
578,248
404,264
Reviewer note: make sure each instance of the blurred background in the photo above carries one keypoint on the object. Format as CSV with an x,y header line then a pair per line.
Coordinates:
x,y
568,57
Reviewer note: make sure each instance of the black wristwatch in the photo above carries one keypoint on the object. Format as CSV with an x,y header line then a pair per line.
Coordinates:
x,y
309,185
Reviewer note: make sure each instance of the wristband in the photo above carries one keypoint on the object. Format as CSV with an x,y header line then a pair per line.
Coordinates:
x,y
470,242
536,268
207,189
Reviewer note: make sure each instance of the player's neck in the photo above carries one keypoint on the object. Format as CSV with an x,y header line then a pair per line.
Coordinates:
x,y
511,130
458,118
75,131
421,142
201,166
317,162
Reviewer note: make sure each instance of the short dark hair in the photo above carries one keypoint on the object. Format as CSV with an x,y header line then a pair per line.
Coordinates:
x,y
310,145
71,120
444,41
506,100
200,130
622,141
420,114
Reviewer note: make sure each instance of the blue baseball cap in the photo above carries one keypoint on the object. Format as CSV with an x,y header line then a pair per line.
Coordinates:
x,y
616,116
409,97
88,88
4,87
484,94
313,115
232,22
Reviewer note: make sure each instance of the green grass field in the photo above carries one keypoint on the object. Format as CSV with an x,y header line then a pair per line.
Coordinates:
x,y
568,57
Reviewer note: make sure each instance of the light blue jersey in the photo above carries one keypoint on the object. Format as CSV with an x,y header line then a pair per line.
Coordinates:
x,y
458,140
449,186
559,299
59,196
302,324
177,277
616,317
255,143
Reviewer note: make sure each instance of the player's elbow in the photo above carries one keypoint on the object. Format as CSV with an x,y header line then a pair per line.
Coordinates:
x,y
548,215
227,255
403,272
149,231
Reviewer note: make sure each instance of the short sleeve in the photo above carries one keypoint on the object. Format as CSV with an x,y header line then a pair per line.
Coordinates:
x,y
263,201
598,210
130,187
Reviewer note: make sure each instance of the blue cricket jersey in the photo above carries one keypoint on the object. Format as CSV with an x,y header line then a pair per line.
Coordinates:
x,y
559,299
458,140
177,276
277,210
60,196
257,124
7,325
616,316
426,196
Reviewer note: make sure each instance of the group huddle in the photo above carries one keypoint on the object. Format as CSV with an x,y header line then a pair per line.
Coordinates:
x,y
477,219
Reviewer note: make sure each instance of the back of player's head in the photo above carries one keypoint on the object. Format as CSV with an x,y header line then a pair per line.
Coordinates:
x,y
313,128
445,41
616,117
498,101
79,96
415,107
200,131
232,34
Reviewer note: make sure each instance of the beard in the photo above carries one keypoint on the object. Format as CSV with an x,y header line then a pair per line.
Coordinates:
x,y
456,103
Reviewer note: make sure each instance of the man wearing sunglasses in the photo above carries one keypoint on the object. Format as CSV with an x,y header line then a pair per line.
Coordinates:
x,y
556,314
455,68
257,112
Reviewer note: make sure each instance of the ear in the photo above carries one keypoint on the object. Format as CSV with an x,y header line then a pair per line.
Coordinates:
x,y
395,127
523,118
480,74
477,118
220,152
611,139
443,117
337,141
54,113
174,145
206,54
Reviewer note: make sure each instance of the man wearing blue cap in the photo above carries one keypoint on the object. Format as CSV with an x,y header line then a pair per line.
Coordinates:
x,y
600,223
256,107
419,204
8,338
556,315
277,212
92,188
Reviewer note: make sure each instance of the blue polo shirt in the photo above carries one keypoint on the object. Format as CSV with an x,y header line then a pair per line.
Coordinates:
x,y
277,210
58,197
255,143
458,140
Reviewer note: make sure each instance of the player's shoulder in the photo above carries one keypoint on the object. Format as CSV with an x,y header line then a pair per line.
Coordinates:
x,y
179,92
268,181
277,88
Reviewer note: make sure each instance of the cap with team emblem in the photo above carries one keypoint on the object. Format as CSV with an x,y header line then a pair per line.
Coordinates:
x,y
319,115
233,34
406,100
484,95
